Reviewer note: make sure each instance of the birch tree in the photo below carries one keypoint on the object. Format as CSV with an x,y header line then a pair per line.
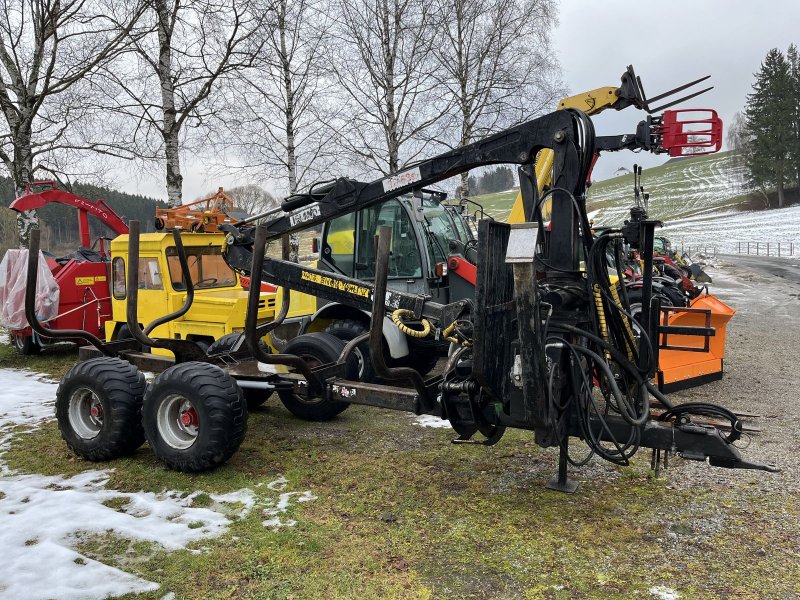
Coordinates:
x,y
50,51
381,55
495,61
174,87
279,119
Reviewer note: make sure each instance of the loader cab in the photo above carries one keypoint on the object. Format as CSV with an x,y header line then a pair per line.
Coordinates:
x,y
219,305
422,231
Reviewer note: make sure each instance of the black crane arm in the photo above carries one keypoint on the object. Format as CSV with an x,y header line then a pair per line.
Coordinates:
x,y
517,145
560,131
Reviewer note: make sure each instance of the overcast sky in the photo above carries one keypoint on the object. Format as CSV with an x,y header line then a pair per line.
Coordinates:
x,y
669,42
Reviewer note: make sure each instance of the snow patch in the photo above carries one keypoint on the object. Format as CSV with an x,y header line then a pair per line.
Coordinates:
x,y
431,421
664,593
43,518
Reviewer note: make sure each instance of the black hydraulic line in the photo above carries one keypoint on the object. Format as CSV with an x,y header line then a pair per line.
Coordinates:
x,y
182,349
30,303
187,303
253,332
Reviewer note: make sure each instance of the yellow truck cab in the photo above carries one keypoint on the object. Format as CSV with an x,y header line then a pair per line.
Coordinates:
x,y
220,301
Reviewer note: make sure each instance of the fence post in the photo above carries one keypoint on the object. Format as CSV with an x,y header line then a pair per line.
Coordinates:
x,y
767,248
779,249
738,247
748,248
757,248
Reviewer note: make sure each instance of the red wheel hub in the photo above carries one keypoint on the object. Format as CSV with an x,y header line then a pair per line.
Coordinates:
x,y
189,418
96,411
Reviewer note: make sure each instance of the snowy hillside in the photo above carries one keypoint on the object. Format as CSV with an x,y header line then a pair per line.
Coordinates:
x,y
695,197
678,189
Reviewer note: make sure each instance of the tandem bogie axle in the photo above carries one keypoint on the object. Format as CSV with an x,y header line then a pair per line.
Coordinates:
x,y
548,344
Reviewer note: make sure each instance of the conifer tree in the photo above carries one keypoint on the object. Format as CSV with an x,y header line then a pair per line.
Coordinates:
x,y
769,122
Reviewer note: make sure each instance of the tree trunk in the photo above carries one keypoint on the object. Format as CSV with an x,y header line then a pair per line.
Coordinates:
x,y
291,156
780,191
21,173
392,142
170,128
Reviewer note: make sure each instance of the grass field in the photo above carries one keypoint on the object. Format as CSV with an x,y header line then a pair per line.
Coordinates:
x,y
678,189
399,512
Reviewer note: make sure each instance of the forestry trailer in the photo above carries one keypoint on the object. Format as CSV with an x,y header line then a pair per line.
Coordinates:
x,y
544,345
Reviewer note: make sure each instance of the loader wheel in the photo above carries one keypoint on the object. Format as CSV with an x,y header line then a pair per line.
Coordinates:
x,y
99,408
194,417
349,329
423,361
26,344
317,349
674,295
226,344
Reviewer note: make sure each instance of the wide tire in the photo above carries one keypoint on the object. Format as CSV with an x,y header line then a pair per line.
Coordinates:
x,y
349,329
194,416
423,360
226,344
25,344
317,349
99,408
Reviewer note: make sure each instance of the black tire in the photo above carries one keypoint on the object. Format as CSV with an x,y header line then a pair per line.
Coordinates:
x,y
99,408
124,333
349,329
423,360
675,296
317,349
225,344
635,302
215,413
26,344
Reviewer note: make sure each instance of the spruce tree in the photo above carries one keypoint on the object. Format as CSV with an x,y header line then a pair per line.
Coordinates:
x,y
793,58
769,121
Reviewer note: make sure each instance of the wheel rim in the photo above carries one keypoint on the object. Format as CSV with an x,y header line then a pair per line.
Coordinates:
x,y
313,362
86,413
178,421
18,342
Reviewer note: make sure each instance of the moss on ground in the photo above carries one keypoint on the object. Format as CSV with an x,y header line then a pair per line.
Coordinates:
x,y
402,513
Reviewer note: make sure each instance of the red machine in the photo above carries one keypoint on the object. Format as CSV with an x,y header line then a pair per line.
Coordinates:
x,y
83,276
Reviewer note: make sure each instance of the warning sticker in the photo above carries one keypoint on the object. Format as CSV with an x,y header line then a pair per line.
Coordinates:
x,y
342,286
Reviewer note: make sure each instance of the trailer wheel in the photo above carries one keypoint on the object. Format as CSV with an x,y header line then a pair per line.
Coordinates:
x,y
26,344
194,417
99,408
423,361
349,329
226,344
317,349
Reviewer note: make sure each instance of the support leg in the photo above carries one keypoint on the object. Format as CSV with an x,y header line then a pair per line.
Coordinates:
x,y
560,482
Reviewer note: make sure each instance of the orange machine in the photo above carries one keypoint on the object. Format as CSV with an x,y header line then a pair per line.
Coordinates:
x,y
200,216
682,363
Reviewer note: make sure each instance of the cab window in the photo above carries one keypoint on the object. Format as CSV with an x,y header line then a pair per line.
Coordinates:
x,y
118,278
150,274
404,254
207,268
441,228
454,212
339,243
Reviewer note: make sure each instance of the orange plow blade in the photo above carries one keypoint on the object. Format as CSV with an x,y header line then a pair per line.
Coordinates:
x,y
680,369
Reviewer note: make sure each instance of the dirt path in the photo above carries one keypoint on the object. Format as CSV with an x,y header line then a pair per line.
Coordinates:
x,y
761,375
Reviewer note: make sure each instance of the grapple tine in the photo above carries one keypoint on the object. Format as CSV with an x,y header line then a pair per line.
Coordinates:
x,y
679,100
679,89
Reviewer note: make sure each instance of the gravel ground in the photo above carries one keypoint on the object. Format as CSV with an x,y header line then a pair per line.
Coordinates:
x,y
761,376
